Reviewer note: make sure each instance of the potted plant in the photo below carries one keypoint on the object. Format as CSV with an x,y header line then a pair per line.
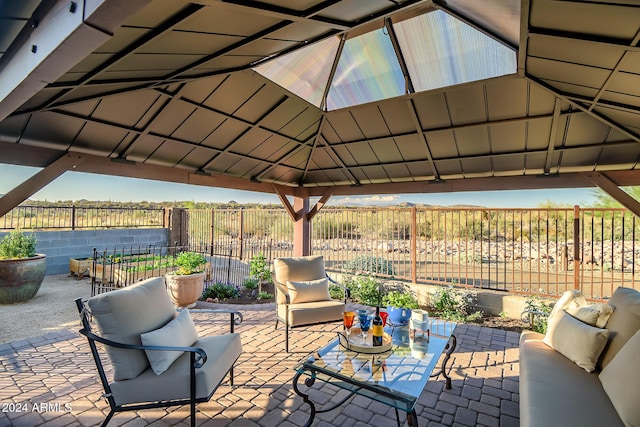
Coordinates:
x,y
186,284
399,306
21,269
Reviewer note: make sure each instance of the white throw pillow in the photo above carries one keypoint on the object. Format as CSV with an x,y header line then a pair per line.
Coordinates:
x,y
180,332
309,291
595,314
569,299
621,381
577,341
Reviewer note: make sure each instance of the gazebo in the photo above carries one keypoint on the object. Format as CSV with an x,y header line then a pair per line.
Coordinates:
x,y
309,99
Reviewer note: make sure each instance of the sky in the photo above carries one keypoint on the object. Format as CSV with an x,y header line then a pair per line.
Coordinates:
x,y
78,185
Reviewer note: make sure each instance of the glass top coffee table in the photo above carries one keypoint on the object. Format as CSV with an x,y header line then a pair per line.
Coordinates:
x,y
396,377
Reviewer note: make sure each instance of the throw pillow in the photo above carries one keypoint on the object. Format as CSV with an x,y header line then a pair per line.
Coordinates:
x,y
595,314
569,299
180,332
621,381
309,291
577,341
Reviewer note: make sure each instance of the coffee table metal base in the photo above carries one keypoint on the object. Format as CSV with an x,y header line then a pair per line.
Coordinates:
x,y
412,418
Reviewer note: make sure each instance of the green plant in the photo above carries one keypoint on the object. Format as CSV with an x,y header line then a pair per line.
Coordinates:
x,y
370,265
264,295
451,304
250,283
259,268
536,313
17,244
364,289
400,300
189,263
221,291
336,292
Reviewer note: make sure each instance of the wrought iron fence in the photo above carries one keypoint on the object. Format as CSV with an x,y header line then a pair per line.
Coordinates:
x,y
81,217
529,251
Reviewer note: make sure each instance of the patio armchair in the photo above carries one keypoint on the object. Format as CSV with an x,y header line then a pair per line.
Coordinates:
x,y
302,293
157,358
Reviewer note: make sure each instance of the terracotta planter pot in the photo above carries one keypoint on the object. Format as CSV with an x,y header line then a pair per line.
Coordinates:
x,y
20,279
185,290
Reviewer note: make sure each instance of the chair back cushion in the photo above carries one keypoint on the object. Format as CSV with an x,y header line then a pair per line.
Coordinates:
x,y
124,314
299,269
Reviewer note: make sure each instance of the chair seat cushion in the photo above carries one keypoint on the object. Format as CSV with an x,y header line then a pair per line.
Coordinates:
x,y
309,313
222,352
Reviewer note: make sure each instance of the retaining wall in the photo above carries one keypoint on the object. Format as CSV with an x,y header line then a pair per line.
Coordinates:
x,y
59,246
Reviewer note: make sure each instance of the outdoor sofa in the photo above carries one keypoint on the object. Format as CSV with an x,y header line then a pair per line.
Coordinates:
x,y
556,388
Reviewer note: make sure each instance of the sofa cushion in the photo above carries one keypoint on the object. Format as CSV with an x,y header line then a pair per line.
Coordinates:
x,y
222,352
556,392
595,314
576,340
124,314
623,323
621,381
308,291
180,332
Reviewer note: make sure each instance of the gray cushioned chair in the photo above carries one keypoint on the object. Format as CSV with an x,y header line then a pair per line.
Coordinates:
x,y
123,316
302,296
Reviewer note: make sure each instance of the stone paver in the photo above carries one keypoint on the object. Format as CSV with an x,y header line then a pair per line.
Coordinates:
x,y
51,381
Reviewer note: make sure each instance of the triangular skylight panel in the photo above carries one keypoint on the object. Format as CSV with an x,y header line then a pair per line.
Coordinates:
x,y
442,51
304,72
368,70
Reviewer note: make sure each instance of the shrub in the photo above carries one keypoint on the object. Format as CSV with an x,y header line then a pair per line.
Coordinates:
x,y
540,311
401,300
370,265
190,263
452,304
250,283
264,295
259,268
364,289
222,291
18,245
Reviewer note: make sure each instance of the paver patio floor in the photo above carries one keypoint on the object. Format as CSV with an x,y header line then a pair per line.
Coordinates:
x,y
50,380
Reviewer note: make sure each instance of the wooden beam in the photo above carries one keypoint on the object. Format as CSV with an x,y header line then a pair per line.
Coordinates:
x,y
319,204
32,185
295,216
612,189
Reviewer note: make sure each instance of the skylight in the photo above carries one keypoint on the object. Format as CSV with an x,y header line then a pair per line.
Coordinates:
x,y
439,51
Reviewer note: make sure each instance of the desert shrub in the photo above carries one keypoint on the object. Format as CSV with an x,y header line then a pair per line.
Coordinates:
x,y
364,289
369,264
250,283
222,291
451,304
540,310
264,295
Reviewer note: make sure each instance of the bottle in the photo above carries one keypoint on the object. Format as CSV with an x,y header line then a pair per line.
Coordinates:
x,y
377,327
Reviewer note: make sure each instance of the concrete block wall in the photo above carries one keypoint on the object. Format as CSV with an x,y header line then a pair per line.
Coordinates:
x,y
59,246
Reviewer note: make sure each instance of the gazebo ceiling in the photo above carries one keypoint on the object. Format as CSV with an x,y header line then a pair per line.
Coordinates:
x,y
168,90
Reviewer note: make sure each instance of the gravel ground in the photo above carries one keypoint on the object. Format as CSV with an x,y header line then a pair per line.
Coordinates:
x,y
52,309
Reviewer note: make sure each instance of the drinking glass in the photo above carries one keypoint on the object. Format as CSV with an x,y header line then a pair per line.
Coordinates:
x,y
348,318
365,324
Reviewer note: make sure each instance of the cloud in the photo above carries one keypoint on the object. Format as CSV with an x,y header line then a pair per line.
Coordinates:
x,y
367,200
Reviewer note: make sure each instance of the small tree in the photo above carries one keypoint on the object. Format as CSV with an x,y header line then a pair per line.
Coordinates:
x,y
259,269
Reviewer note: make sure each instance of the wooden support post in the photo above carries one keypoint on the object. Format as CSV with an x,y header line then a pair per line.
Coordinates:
x,y
576,247
302,227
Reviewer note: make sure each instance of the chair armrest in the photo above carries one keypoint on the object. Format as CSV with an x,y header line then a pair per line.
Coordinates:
x,y
200,353
236,317
347,291
282,289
